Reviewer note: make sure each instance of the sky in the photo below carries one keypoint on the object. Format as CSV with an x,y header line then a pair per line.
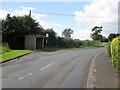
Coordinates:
x,y
81,17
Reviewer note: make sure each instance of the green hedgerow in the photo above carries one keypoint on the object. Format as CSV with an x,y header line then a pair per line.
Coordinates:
x,y
115,52
108,49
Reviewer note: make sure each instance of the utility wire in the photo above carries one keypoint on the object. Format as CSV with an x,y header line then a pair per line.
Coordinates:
x,y
59,14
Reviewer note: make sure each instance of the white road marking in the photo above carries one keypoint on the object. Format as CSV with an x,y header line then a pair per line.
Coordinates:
x,y
21,78
47,66
29,74
25,76
41,69
91,80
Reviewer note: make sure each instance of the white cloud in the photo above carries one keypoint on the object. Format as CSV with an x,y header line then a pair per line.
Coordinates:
x,y
19,12
25,11
37,16
57,27
82,34
47,0
27,8
102,13
106,10
3,14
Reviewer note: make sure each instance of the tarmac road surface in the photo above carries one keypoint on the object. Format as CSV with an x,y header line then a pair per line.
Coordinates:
x,y
59,69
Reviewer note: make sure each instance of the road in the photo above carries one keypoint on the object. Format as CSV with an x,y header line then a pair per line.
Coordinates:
x,y
59,69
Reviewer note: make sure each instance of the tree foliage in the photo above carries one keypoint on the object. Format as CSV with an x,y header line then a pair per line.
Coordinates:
x,y
112,36
96,33
67,43
52,37
104,39
15,28
67,33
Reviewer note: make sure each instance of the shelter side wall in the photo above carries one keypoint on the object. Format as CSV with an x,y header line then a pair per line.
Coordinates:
x,y
30,43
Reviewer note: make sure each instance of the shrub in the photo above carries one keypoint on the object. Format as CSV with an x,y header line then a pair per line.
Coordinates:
x,y
67,43
115,52
0,49
5,47
108,49
97,44
92,43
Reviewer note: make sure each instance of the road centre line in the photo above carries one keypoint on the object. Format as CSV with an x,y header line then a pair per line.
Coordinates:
x,y
21,78
41,69
29,74
25,76
47,66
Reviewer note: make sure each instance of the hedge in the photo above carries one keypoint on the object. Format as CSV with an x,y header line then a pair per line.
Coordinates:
x,y
108,48
115,52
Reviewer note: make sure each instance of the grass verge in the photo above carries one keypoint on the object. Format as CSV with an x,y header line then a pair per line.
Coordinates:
x,y
12,54
81,47
56,49
87,47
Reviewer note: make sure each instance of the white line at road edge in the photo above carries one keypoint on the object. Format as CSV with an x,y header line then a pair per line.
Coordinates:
x,y
91,77
47,66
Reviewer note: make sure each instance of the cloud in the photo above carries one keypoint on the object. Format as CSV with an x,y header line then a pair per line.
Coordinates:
x,y
47,0
98,12
101,13
27,8
21,11
56,26
82,34
25,11
3,14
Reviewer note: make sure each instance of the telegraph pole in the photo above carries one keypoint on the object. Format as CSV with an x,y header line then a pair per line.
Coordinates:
x,y
30,13
29,17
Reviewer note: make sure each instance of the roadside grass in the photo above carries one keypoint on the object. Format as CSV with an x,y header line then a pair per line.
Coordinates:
x,y
87,47
4,48
7,54
12,54
81,47
55,49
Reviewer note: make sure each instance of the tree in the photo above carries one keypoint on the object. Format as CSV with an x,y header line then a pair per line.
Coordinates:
x,y
112,35
15,28
52,37
96,33
104,39
67,33
77,43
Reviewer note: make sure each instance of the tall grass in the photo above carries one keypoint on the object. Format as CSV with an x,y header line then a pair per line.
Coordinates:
x,y
4,48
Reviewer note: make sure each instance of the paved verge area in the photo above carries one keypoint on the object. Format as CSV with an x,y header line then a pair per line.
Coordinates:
x,y
106,74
